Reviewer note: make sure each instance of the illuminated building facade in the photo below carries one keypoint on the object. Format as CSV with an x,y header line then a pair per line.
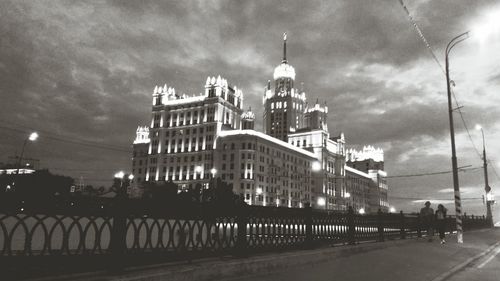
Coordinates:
x,y
140,154
193,139
284,106
366,167
264,170
184,128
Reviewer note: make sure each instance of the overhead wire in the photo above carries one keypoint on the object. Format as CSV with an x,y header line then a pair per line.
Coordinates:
x,y
432,173
65,139
418,198
431,51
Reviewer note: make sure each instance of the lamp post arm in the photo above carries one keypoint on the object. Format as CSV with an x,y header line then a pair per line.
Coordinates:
x,y
455,43
452,42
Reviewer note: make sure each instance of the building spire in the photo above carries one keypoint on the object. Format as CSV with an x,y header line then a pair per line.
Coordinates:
x,y
284,48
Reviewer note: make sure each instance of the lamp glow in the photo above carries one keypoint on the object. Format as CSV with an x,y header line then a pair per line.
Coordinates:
x,y
362,211
392,210
488,26
33,136
316,166
119,175
259,190
130,177
198,169
347,195
321,201
478,127
213,171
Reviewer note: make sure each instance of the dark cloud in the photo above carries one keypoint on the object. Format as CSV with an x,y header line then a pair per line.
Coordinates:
x,y
85,71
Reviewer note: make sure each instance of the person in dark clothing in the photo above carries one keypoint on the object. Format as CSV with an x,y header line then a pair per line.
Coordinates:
x,y
441,221
427,216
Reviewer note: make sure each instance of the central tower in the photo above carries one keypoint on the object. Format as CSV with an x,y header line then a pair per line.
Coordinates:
x,y
284,107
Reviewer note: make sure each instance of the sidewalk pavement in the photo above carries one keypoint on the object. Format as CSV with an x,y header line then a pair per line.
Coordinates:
x,y
410,259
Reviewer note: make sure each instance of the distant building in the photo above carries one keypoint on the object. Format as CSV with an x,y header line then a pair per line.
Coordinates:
x,y
27,165
367,166
140,154
193,139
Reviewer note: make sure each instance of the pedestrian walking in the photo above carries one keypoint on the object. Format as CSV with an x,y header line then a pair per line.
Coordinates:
x,y
440,219
427,215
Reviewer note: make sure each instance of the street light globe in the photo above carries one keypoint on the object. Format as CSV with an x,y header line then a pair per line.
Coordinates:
x,y
392,210
316,166
321,201
198,169
120,175
130,177
213,171
33,136
347,195
487,27
259,190
478,127
362,211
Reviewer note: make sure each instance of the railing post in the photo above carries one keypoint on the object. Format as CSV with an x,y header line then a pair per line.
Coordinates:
x,y
308,221
419,226
242,222
380,226
351,232
118,244
402,225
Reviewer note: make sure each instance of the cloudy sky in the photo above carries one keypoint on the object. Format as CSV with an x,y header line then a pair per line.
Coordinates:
x,y
82,74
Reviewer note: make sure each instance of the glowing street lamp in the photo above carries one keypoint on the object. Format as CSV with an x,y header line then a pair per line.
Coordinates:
x,y
392,210
130,177
362,211
488,26
120,175
321,201
32,137
316,166
456,187
198,169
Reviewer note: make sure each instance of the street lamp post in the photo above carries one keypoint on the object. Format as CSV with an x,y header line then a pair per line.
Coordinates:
x,y
119,175
32,137
456,187
213,172
487,188
347,197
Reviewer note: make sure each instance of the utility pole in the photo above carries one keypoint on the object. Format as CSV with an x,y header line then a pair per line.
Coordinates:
x,y
487,188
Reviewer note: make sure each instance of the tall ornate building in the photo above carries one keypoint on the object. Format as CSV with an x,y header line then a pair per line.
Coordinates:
x,y
193,139
184,128
284,107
